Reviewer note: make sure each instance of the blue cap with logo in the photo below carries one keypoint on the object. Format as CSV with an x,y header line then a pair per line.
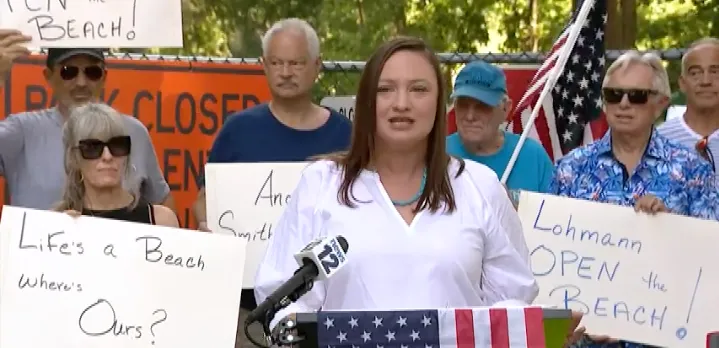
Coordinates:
x,y
481,81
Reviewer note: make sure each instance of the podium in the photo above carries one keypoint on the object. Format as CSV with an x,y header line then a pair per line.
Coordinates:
x,y
556,327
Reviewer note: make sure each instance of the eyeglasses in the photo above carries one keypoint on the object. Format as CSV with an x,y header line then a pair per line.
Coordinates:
x,y
635,96
294,65
703,149
91,149
93,72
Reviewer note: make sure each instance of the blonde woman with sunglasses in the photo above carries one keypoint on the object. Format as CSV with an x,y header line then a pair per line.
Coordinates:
x,y
97,148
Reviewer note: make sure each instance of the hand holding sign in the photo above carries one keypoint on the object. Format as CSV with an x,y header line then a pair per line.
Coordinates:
x,y
11,47
96,23
86,282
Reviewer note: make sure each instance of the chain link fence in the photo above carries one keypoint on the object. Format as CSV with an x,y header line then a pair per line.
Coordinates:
x,y
342,77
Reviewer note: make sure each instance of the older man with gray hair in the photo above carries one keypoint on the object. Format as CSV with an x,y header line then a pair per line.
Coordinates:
x,y
698,128
628,165
289,128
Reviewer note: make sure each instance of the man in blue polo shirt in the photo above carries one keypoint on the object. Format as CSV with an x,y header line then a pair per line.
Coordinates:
x,y
290,128
481,104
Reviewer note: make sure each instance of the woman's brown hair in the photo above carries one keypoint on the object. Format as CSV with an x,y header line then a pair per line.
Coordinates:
x,y
438,190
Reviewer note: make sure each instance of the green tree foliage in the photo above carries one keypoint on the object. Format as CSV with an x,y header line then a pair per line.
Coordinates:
x,y
350,29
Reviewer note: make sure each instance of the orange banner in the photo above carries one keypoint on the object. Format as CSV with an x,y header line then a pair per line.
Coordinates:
x,y
182,104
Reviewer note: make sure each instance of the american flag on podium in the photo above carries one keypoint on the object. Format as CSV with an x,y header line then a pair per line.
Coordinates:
x,y
571,115
444,328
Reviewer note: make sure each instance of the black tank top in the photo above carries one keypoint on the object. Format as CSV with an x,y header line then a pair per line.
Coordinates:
x,y
143,213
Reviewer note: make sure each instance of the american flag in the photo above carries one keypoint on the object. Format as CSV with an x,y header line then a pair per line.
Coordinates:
x,y
444,328
575,100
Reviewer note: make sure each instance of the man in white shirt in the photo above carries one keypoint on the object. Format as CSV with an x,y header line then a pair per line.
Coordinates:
x,y
698,128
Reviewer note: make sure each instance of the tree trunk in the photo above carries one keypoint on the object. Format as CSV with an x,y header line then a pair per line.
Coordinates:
x,y
613,32
534,25
629,23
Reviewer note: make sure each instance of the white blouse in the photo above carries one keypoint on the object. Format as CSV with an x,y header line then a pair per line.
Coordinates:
x,y
475,256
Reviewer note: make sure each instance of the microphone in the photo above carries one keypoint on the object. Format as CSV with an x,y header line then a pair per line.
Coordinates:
x,y
320,259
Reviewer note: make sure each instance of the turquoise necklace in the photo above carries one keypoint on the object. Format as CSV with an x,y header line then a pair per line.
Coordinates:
x,y
416,196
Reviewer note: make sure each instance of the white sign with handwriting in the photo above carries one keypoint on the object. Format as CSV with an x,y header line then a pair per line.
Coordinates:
x,y
90,282
647,279
245,200
95,23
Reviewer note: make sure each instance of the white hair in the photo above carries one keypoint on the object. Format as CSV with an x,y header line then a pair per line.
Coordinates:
x,y
660,82
298,25
707,41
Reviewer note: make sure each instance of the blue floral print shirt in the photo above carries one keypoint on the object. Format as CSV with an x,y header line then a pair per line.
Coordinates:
x,y
678,177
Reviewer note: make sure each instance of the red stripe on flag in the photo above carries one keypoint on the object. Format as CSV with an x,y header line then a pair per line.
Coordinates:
x,y
543,132
464,322
599,126
451,121
499,327
534,323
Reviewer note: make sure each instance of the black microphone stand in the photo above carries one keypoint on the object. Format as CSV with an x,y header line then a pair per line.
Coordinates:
x,y
285,335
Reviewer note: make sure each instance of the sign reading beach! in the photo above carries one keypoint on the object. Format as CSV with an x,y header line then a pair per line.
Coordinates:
x,y
95,23
88,282
648,279
246,200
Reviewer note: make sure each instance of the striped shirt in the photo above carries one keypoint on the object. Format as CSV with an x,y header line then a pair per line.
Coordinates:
x,y
677,130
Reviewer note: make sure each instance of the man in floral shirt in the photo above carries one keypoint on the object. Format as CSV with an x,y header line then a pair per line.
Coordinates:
x,y
634,165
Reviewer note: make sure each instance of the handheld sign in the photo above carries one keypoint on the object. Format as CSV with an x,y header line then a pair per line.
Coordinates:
x,y
647,279
345,105
89,282
245,200
95,23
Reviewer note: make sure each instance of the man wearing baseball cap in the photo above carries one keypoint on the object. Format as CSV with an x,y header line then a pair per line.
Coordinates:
x,y
31,148
481,104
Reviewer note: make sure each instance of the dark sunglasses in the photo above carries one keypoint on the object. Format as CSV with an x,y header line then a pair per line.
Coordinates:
x,y
703,149
635,96
92,72
91,149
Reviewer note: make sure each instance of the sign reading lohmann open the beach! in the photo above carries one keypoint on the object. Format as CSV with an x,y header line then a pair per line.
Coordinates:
x,y
648,279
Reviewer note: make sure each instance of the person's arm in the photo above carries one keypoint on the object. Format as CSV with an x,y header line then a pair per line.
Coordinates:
x,y
164,216
155,190
509,220
507,277
502,205
703,191
221,152
199,210
12,140
546,172
12,46
561,179
295,229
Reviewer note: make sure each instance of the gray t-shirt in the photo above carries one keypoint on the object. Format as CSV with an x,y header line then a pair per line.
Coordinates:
x,y
32,160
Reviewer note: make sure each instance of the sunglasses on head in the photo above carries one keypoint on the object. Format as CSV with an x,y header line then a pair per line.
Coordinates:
x,y
703,149
91,149
635,96
92,72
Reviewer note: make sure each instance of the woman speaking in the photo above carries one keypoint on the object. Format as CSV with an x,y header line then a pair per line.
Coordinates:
x,y
97,153
424,229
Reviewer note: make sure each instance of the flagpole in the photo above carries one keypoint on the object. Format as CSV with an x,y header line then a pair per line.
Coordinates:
x,y
551,81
